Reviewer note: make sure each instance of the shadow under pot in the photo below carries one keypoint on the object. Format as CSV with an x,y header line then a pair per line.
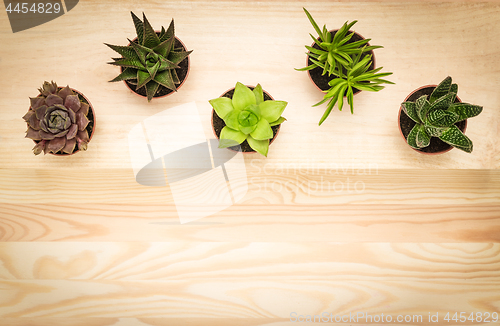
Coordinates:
x,y
182,72
90,126
406,124
218,124
316,75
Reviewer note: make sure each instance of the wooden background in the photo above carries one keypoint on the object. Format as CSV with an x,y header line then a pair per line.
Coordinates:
x,y
83,244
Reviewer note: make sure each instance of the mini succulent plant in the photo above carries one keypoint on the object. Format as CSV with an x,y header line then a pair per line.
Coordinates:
x,y
57,120
436,115
347,62
357,77
151,61
335,52
248,117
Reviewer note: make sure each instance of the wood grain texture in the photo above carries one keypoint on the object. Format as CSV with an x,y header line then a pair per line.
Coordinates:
x,y
346,223
342,218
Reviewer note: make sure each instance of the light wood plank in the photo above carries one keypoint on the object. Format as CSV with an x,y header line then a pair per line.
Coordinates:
x,y
345,223
265,261
267,184
240,298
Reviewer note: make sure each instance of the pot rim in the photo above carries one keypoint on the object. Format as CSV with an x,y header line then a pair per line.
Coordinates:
x,y
253,151
182,81
401,131
309,71
91,107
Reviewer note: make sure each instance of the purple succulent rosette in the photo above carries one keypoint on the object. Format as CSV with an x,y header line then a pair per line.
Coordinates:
x,y
57,120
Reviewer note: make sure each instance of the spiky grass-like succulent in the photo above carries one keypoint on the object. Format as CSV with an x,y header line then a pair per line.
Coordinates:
x,y
436,115
151,61
335,52
348,63
248,117
57,120
357,77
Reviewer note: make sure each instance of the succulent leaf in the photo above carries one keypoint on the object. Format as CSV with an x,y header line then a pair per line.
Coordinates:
x,y
236,136
143,77
454,89
434,131
39,148
37,102
262,131
242,97
72,102
128,63
152,88
231,120
53,100
63,93
434,116
33,134
127,73
443,102
412,137
222,106
441,90
454,137
272,110
150,39
82,138
422,139
259,94
261,146
165,79
125,51
170,32
422,107
448,120
465,110
165,47
139,28
82,121
69,147
277,122
56,144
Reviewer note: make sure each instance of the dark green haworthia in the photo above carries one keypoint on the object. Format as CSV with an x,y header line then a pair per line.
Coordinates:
x,y
151,60
436,115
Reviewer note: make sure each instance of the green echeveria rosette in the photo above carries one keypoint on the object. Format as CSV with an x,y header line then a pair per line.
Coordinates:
x,y
151,61
57,120
436,116
248,117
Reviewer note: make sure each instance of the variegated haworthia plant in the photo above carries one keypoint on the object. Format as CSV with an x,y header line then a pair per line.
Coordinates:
x,y
57,120
248,117
436,115
151,61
